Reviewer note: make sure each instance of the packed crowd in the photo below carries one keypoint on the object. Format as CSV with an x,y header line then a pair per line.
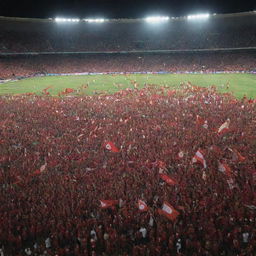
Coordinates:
x,y
11,67
217,32
141,172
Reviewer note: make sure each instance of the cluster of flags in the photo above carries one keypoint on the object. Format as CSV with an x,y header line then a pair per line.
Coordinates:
x,y
167,209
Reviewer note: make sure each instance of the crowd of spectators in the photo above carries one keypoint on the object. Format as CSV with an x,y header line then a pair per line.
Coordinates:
x,y
11,67
61,157
49,36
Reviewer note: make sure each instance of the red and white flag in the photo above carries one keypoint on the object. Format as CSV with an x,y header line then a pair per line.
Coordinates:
x,y
180,155
111,147
168,211
108,203
167,179
142,206
40,170
199,158
224,168
224,127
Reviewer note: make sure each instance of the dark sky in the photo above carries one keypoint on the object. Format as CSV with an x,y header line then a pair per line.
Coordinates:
x,y
118,8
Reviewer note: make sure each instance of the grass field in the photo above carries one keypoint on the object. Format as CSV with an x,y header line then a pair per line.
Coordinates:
x,y
240,84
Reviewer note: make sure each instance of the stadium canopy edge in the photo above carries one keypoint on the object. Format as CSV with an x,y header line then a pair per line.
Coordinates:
x,y
49,20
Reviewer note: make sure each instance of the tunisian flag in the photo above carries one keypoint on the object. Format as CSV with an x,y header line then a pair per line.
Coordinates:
x,y
167,179
108,203
111,147
142,206
168,211
199,158
225,169
224,127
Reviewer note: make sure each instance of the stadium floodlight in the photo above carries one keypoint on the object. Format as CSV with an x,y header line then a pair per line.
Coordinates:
x,y
154,19
95,20
198,16
66,20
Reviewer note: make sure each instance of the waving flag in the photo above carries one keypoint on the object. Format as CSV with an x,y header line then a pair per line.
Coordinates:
x,y
45,90
168,211
237,156
199,158
111,147
40,170
142,206
224,168
108,203
66,91
224,127
167,179
199,120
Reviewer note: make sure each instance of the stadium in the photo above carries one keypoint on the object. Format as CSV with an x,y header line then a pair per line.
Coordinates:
x,y
128,136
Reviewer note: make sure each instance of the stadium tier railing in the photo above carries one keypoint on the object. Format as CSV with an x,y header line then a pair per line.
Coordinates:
x,y
131,52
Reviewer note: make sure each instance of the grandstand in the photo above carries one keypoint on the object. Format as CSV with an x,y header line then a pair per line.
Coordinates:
x,y
20,35
221,42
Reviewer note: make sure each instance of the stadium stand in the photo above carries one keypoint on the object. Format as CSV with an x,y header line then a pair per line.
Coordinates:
x,y
219,31
22,66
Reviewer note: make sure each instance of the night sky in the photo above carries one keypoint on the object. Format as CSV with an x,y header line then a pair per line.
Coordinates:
x,y
119,8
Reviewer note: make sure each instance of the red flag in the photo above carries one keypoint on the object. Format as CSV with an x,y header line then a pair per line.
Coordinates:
x,y
224,127
225,169
45,90
66,91
237,156
168,211
142,206
199,158
111,146
199,120
108,203
167,179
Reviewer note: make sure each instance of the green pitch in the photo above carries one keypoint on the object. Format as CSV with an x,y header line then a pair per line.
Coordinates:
x,y
239,84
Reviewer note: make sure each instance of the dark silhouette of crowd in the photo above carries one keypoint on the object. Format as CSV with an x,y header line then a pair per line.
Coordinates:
x,y
221,31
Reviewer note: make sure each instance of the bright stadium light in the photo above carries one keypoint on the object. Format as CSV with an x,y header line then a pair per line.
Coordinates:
x,y
95,20
153,19
198,16
66,20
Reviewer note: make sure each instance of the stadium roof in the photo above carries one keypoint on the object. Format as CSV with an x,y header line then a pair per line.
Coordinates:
x,y
214,15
